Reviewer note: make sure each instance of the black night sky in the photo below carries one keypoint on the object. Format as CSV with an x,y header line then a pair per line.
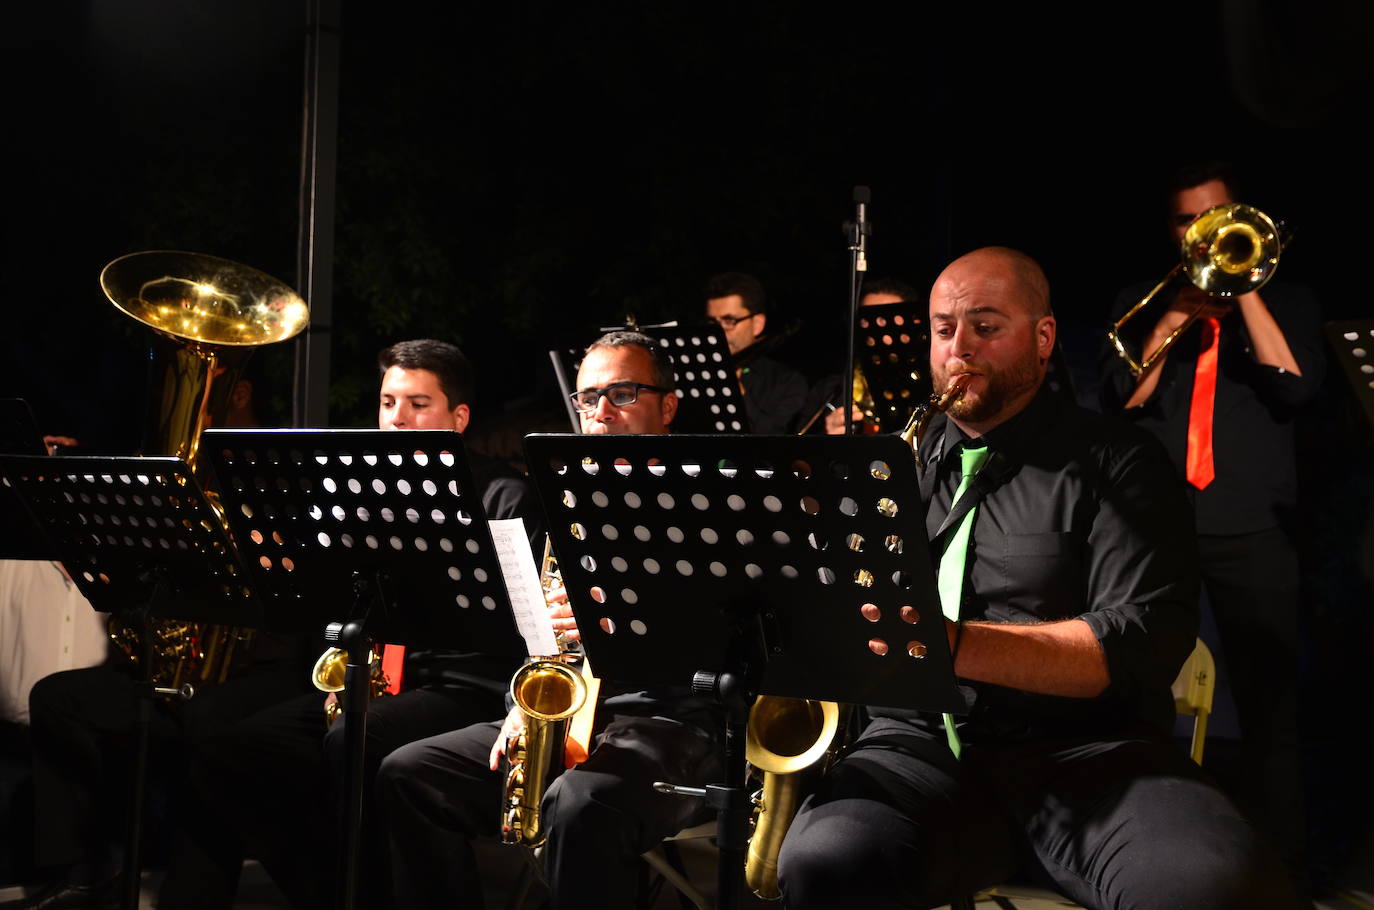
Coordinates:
x,y
513,175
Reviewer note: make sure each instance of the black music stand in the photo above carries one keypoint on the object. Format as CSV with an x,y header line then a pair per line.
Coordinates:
x,y
793,566
709,398
19,435
379,534
140,539
1353,345
892,349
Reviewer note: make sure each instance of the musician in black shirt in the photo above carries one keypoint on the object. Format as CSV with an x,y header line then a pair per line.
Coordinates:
x,y
1078,608
1268,365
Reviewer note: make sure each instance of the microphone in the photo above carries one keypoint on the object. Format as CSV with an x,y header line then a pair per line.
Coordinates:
x,y
859,228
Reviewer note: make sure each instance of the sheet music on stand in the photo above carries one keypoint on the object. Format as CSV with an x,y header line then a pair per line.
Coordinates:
x,y
312,507
668,543
20,538
136,532
1352,342
703,375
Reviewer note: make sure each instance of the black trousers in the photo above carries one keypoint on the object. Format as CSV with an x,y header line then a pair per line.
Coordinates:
x,y
82,725
435,795
275,780
1252,584
1127,823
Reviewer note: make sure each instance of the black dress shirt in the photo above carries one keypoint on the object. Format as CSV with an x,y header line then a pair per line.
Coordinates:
x,y
1084,521
774,395
1252,424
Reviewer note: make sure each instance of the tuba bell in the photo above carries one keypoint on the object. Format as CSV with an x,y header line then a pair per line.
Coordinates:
x,y
1227,251
208,315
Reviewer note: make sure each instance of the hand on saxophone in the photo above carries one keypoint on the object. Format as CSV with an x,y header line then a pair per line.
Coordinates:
x,y
561,615
513,726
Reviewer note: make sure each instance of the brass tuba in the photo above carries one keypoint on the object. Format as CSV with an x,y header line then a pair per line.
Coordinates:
x,y
1227,250
209,314
785,737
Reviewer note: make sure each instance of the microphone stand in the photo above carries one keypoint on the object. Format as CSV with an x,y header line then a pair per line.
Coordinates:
x,y
856,234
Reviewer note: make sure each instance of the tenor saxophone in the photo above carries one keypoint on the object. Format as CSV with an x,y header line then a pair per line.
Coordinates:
x,y
787,738
549,690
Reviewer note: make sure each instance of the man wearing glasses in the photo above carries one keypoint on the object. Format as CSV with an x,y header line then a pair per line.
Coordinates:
x,y
774,394
434,796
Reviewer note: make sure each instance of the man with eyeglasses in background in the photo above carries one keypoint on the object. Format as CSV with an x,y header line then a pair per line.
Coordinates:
x,y
774,393
436,795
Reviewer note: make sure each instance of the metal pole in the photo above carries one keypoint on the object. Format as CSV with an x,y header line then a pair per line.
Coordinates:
x,y
315,244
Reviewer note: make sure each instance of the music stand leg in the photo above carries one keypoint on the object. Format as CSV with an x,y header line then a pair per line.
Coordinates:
x,y
355,695
730,798
133,820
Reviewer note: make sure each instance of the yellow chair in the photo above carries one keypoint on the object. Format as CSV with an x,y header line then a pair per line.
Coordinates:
x,y
1193,690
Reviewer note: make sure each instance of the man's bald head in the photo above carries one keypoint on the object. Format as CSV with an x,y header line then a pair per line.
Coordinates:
x,y
990,317
1020,277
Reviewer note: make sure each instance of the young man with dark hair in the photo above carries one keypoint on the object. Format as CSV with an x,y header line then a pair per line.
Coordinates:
x,y
1223,400
427,364
271,776
774,393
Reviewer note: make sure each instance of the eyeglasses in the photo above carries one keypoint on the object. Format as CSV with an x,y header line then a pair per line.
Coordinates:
x,y
620,394
729,322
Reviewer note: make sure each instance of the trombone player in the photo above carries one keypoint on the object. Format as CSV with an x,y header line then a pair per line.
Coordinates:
x,y
1223,400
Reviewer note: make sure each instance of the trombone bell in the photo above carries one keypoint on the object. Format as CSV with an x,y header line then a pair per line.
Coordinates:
x,y
1227,251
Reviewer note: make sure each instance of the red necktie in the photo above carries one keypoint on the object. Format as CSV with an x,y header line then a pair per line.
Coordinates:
x,y
393,664
1199,468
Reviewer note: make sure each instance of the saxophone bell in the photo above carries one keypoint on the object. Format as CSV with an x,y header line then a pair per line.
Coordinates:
x,y
328,676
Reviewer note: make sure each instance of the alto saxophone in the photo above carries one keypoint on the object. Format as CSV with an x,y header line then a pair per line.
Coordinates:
x,y
549,690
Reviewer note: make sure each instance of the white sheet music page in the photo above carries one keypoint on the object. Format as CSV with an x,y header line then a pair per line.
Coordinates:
x,y
522,584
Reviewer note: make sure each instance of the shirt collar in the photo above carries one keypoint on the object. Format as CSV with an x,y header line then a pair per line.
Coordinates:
x,y
1009,436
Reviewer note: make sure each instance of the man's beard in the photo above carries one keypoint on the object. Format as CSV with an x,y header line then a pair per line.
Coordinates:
x,y
1000,388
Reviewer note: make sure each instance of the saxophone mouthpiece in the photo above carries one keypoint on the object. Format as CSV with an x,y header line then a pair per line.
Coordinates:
x,y
958,385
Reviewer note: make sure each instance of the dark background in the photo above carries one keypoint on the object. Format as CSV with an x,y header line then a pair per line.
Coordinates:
x,y
513,175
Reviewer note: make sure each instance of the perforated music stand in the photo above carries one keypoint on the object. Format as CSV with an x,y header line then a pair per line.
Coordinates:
x,y
139,538
137,533
892,342
688,532
20,538
380,531
1353,344
797,564
709,399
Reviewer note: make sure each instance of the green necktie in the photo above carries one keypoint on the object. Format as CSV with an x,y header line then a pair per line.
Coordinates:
x,y
950,579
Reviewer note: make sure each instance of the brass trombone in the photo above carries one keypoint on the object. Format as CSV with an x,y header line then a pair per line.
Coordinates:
x,y
1227,251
